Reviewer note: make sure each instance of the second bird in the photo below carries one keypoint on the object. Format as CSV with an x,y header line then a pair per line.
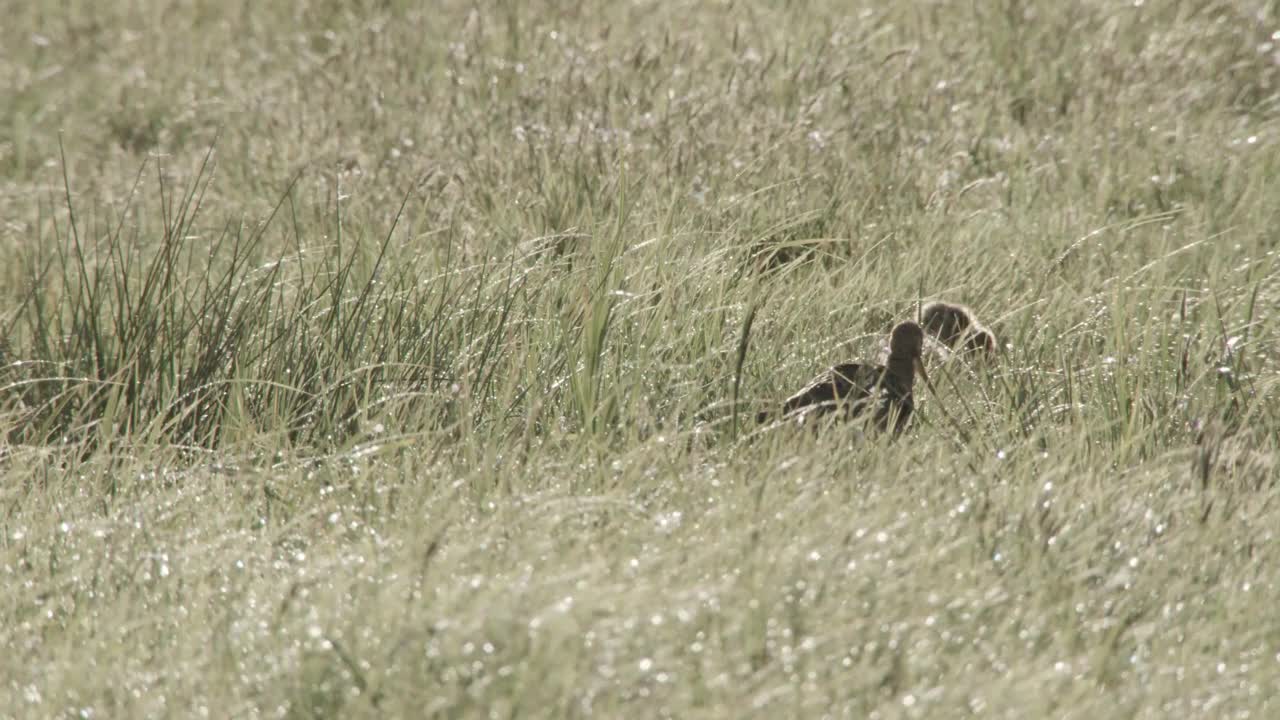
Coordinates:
x,y
955,325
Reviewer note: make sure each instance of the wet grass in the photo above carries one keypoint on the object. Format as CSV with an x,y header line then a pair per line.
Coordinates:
x,y
361,360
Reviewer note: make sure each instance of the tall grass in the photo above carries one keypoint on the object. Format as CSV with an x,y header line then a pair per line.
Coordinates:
x,y
371,360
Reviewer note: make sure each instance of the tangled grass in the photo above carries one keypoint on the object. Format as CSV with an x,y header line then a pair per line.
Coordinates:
x,y
366,360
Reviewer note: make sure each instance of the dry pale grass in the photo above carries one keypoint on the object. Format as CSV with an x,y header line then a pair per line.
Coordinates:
x,y
376,360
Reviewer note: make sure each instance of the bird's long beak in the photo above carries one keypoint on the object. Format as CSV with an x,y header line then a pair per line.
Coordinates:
x,y
919,365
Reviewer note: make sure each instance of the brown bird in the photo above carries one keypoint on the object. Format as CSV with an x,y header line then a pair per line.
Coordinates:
x,y
853,387
956,325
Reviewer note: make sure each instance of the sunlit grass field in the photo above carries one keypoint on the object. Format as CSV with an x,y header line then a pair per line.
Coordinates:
x,y
384,359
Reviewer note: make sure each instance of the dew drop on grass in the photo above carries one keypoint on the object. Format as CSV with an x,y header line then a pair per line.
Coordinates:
x,y
668,522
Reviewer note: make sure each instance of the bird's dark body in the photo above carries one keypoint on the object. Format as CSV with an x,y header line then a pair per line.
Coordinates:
x,y
878,393
850,388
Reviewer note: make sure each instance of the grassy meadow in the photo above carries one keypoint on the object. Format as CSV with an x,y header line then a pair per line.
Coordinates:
x,y
384,359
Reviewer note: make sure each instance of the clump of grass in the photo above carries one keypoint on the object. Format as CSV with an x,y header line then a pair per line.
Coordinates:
x,y
183,337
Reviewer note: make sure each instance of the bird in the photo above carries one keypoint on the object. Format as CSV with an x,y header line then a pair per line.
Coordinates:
x,y
851,388
956,325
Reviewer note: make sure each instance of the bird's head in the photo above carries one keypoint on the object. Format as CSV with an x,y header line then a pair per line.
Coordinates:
x,y
906,342
946,321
